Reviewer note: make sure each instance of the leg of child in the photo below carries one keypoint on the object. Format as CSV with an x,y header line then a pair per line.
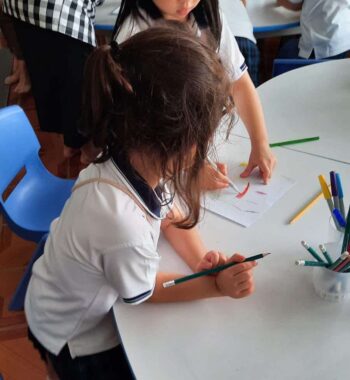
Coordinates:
x,y
289,48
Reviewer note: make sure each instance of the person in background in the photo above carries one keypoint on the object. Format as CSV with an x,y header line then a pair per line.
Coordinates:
x,y
207,21
325,29
19,77
242,28
55,37
155,130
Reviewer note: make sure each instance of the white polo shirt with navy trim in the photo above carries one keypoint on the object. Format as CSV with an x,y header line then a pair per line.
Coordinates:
x,y
229,52
102,249
325,27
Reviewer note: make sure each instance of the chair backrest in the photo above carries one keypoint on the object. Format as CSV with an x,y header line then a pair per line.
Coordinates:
x,y
17,301
19,145
281,66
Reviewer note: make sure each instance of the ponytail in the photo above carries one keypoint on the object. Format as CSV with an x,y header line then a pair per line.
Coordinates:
x,y
105,85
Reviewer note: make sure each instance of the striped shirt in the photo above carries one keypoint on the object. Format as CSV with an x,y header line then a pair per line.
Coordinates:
x,y
74,18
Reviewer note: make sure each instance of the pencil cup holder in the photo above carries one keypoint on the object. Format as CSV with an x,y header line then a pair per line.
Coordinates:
x,y
334,235
330,285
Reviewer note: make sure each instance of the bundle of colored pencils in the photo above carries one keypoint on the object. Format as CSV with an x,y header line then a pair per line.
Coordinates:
x,y
342,223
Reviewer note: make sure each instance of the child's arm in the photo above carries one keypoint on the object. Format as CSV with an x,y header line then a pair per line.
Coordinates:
x,y
291,5
250,111
234,282
187,243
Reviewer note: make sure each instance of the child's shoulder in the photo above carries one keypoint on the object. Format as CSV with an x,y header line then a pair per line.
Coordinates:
x,y
101,187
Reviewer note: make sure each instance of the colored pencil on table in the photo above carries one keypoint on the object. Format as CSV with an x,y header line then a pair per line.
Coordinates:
x,y
328,197
340,194
342,265
208,272
342,257
346,233
312,251
306,208
334,189
291,142
339,217
345,268
325,254
306,263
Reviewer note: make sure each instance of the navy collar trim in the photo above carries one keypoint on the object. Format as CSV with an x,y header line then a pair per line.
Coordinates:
x,y
151,198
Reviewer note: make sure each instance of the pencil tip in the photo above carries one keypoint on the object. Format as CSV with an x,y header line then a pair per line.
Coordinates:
x,y
266,254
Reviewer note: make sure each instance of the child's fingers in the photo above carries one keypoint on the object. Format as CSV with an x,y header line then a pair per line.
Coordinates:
x,y
236,258
210,260
243,277
246,292
222,167
241,268
246,172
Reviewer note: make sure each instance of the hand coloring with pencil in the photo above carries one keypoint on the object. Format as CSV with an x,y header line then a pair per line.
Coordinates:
x,y
212,179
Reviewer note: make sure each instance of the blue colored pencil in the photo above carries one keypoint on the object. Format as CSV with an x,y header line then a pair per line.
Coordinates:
x,y
340,194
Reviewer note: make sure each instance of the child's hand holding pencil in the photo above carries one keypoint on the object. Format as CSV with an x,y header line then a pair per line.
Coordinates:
x,y
233,279
236,281
214,178
211,260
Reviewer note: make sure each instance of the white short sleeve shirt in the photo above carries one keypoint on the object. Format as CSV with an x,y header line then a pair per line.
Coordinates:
x,y
325,27
229,52
102,249
238,19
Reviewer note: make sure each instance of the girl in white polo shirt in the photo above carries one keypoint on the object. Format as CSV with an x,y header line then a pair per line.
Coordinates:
x,y
155,130
325,29
205,19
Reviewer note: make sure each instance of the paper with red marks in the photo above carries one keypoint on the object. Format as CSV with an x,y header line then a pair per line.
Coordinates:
x,y
244,192
256,197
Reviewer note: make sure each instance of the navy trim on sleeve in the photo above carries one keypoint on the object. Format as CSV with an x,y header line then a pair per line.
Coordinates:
x,y
137,298
243,66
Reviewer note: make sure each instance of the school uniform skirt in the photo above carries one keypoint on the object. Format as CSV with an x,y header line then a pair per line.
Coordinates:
x,y
55,64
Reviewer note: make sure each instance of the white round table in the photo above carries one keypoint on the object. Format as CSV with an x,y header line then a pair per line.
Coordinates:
x,y
283,331
311,101
106,15
270,20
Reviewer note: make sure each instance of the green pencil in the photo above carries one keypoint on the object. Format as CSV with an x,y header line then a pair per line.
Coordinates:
x,y
207,272
325,254
346,233
312,251
306,263
291,142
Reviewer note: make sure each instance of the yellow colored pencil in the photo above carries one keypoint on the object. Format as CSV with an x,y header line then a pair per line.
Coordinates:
x,y
307,207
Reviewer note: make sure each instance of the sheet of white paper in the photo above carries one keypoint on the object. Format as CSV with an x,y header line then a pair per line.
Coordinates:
x,y
258,199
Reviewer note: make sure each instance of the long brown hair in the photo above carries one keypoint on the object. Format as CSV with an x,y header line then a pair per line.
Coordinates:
x,y
163,93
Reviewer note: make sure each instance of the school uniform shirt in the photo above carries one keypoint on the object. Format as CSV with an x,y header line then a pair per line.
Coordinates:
x,y
325,27
102,249
74,18
229,52
238,19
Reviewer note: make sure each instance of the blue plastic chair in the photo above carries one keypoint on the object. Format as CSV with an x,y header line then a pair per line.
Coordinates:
x,y
281,65
17,301
39,196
